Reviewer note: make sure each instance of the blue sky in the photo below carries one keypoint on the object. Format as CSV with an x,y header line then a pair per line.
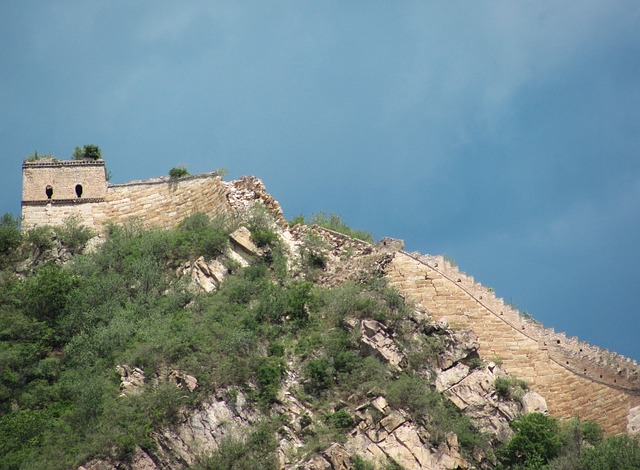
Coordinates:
x,y
502,134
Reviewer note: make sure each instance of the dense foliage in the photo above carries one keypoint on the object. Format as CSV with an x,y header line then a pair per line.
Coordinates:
x,y
87,152
178,171
65,327
540,442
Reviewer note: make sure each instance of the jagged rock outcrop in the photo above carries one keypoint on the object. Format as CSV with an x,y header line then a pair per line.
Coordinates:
x,y
474,393
376,340
132,379
205,275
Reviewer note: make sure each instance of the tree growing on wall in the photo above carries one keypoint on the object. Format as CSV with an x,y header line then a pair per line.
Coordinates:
x,y
88,152
178,171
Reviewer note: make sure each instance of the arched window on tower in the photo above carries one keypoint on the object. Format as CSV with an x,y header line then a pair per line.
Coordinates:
x,y
49,191
78,190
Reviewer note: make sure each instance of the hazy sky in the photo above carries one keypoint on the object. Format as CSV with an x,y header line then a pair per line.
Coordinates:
x,y
502,134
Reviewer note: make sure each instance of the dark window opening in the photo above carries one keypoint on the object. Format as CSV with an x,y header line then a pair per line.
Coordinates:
x,y
79,190
49,191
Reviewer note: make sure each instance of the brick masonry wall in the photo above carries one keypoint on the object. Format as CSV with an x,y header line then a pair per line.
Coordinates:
x,y
157,202
63,176
575,378
163,202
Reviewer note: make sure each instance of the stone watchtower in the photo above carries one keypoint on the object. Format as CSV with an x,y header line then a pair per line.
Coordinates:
x,y
54,190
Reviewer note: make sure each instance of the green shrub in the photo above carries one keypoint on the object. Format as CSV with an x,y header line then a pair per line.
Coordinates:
x,y
197,235
341,420
263,238
619,452
45,295
536,441
10,235
360,464
255,452
73,234
89,152
40,237
178,171
510,388
270,372
475,363
428,407
318,374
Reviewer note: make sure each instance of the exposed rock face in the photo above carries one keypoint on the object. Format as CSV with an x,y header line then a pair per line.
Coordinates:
x,y
243,245
474,393
183,380
395,437
381,433
205,275
201,432
376,340
131,379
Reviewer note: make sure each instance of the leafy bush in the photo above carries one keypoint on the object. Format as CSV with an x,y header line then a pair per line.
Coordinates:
x,y
619,452
360,464
318,374
45,295
40,238
536,441
73,234
198,235
341,420
255,452
428,407
509,388
475,363
89,152
10,235
269,373
178,171
263,238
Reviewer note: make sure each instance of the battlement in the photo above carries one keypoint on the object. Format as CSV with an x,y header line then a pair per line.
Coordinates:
x,y
576,378
578,356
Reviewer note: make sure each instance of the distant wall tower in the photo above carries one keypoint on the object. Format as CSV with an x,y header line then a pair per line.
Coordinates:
x,y
52,191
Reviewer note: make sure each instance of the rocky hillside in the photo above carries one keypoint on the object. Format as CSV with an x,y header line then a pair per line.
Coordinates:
x,y
245,342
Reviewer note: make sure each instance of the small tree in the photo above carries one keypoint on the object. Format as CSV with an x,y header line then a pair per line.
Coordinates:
x,y
88,152
535,442
178,171
10,235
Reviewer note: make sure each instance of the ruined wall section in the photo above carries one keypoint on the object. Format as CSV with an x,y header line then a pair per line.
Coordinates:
x,y
248,190
575,378
161,202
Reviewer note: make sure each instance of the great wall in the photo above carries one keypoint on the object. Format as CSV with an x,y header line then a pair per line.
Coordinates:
x,y
575,378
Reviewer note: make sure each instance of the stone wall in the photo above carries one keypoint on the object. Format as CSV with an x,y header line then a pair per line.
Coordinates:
x,y
62,177
575,378
163,201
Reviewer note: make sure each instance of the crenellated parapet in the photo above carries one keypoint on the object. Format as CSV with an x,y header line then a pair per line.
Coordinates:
x,y
576,378
580,357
